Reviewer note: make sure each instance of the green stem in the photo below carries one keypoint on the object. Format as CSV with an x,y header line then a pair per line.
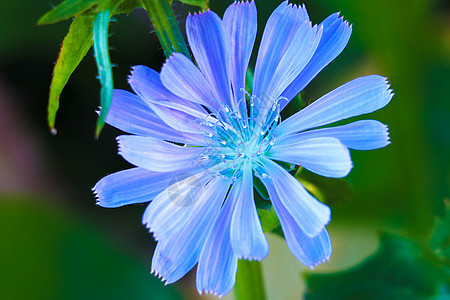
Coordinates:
x,y
249,281
166,26
101,51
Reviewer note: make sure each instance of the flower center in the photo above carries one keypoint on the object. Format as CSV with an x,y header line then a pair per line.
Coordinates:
x,y
234,136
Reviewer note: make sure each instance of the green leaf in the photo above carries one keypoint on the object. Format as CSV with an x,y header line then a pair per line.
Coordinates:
x,y
327,190
101,50
259,186
398,270
269,219
204,4
76,44
65,10
127,6
249,80
249,281
166,26
293,106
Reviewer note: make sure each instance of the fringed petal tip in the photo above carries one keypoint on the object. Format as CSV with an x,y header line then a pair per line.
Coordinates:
x,y
132,71
210,292
327,259
150,230
160,276
155,236
119,146
252,258
199,13
97,195
171,57
341,19
240,2
386,132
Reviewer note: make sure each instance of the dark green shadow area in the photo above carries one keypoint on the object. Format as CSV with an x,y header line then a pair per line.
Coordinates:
x,y
47,254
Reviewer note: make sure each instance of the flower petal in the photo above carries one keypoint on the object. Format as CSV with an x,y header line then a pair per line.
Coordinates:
x,y
131,114
295,58
179,253
147,84
184,79
217,266
130,186
178,119
310,251
156,155
336,33
178,113
310,214
323,155
280,32
171,209
210,45
241,23
247,236
359,135
359,96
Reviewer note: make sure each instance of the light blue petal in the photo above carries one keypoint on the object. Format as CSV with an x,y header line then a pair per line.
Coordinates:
x,y
310,214
129,113
184,79
336,33
178,113
323,155
247,236
295,58
130,186
359,96
147,83
178,119
210,45
241,23
179,253
156,155
280,32
310,250
359,135
171,209
217,266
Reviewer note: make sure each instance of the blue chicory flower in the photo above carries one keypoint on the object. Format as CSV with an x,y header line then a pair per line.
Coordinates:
x,y
199,138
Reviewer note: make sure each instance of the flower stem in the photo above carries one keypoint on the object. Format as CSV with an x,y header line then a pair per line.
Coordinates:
x,y
249,281
166,26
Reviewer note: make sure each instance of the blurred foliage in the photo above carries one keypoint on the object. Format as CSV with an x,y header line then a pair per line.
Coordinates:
x,y
75,44
440,242
400,269
414,175
49,255
330,191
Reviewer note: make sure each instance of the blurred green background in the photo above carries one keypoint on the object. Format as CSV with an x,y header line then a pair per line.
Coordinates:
x,y
57,244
